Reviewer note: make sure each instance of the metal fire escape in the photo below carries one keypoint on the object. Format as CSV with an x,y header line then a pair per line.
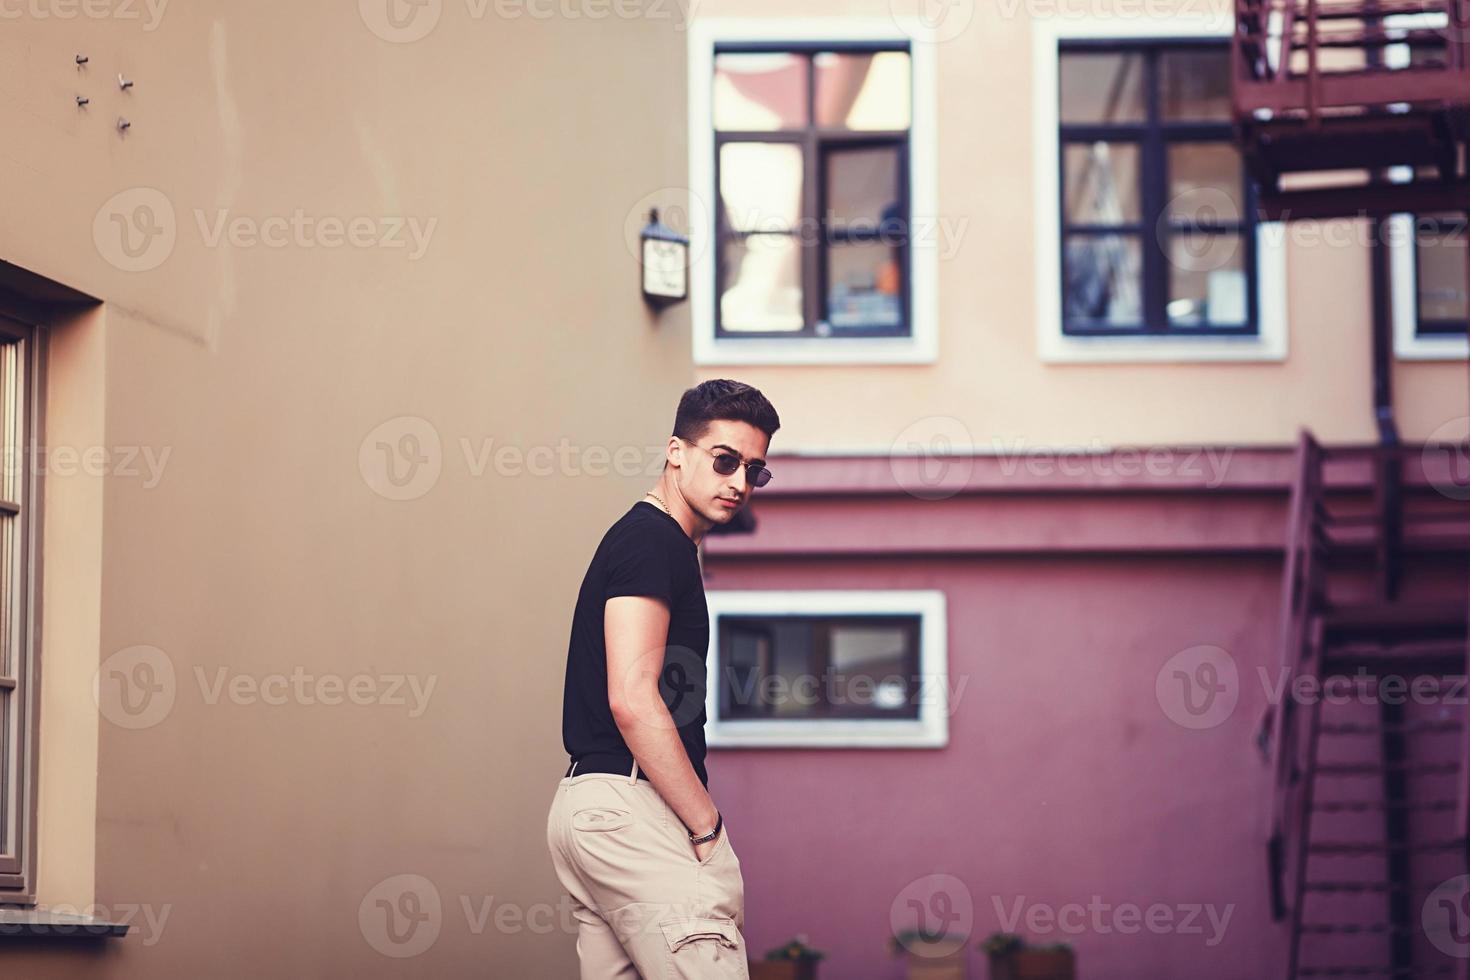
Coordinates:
x,y
1342,109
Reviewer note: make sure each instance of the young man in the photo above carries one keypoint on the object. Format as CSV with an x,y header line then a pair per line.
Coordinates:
x,y
635,837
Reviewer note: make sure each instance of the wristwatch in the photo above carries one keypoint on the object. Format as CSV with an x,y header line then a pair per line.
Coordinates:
x,y
719,822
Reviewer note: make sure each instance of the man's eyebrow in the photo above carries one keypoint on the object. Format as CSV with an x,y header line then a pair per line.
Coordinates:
x,y
721,445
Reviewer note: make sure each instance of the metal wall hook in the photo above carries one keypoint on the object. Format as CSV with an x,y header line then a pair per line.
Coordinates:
x,y
124,83
81,60
82,100
123,125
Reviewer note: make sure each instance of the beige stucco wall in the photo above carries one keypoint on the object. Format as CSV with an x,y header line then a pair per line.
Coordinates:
x,y
245,529
988,375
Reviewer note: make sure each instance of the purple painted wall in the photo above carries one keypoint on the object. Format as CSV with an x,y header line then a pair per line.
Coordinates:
x,y
1066,789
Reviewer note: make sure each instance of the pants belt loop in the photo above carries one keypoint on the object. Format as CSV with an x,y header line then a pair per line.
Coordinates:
x,y
633,776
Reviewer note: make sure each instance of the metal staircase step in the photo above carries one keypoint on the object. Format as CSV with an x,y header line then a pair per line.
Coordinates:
x,y
1378,769
1374,971
1363,847
1367,806
1404,728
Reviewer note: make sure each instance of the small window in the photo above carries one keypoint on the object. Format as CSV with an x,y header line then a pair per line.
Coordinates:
x,y
811,159
1157,213
827,668
1440,275
19,496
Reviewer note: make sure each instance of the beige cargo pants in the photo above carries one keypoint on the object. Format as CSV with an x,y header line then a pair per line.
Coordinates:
x,y
645,906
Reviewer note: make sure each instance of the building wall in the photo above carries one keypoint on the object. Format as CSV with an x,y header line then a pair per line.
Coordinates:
x,y
1078,798
265,380
988,384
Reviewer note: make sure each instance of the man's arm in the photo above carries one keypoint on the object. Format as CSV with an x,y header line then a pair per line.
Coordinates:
x,y
636,630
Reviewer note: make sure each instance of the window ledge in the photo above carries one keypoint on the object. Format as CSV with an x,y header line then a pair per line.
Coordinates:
x,y
816,350
1060,349
34,923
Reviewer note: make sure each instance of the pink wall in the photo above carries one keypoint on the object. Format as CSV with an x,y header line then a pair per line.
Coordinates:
x,y
1065,781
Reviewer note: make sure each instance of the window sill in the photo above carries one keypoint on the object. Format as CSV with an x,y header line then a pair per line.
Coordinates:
x,y
43,924
816,350
1061,349
834,734
1432,349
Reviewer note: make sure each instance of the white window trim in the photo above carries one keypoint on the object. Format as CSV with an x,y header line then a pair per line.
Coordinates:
x,y
922,346
1052,345
929,730
1403,301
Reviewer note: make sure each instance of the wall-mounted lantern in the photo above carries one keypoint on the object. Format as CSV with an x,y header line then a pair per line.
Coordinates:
x,y
665,263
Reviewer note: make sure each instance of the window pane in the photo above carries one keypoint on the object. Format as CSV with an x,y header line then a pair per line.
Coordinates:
x,y
1195,84
865,285
1440,250
871,671
762,278
760,185
1205,183
1207,279
1104,275
760,91
819,667
863,91
1102,87
862,190
1101,183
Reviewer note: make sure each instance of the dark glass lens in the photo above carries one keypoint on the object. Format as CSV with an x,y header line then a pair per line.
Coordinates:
x,y
725,464
759,476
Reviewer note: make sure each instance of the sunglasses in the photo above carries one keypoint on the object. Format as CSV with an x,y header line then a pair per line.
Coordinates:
x,y
728,463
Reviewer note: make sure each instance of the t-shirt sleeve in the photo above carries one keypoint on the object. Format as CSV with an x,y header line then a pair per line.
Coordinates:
x,y
641,565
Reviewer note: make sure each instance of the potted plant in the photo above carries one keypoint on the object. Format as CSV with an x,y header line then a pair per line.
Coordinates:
x,y
794,960
1013,958
939,957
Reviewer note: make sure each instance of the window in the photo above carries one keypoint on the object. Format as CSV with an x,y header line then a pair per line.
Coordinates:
x,y
20,401
1156,210
1428,262
812,211
811,163
828,668
1148,245
1439,275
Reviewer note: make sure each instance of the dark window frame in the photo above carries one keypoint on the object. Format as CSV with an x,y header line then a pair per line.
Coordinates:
x,y
20,750
1433,327
816,142
820,663
1153,137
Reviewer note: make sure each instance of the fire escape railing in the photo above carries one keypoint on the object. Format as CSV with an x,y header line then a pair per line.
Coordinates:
x,y
1302,592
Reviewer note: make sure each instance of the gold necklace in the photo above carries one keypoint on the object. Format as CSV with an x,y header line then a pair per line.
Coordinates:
x,y
660,502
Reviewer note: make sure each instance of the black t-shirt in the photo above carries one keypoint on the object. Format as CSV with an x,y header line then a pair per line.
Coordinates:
x,y
645,553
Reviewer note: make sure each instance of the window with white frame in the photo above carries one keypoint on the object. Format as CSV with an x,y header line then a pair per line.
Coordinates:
x,y
811,167
834,668
1150,246
1430,283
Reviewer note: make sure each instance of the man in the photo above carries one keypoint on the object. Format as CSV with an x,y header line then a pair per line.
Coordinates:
x,y
635,837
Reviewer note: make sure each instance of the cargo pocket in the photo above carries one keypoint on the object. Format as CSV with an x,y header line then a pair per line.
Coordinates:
x,y
705,946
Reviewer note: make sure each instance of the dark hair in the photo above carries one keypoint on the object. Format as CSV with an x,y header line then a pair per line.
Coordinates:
x,y
722,398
